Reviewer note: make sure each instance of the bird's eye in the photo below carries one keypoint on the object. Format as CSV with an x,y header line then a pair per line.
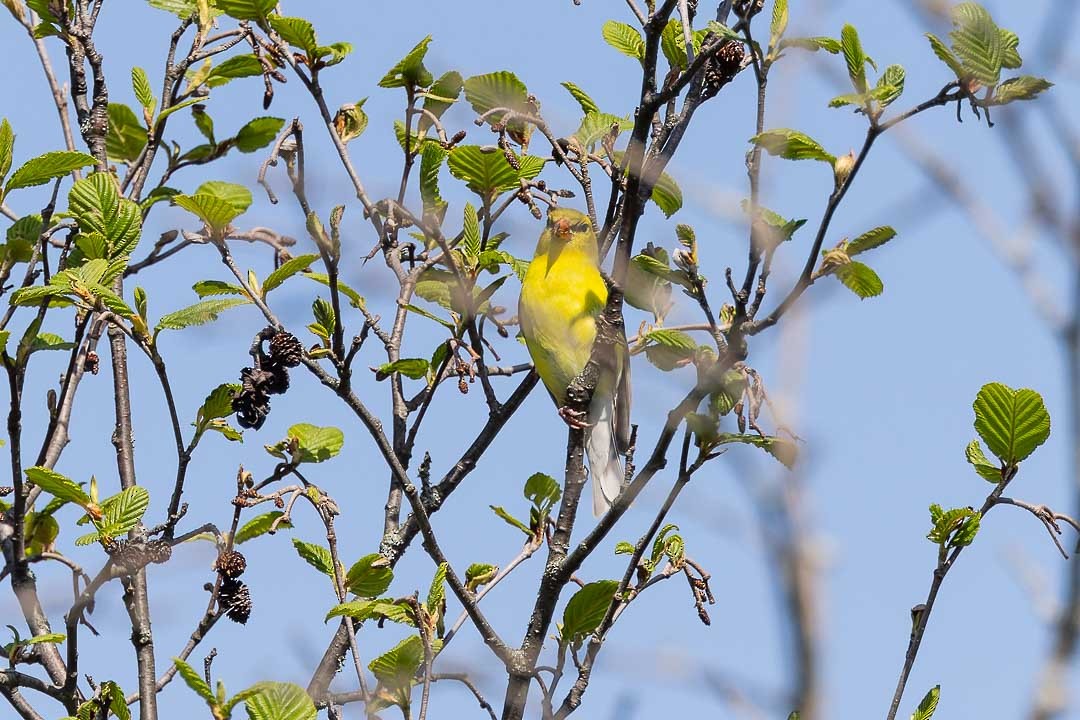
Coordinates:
x,y
582,226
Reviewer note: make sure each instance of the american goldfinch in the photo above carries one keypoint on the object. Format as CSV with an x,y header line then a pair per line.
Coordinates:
x,y
561,297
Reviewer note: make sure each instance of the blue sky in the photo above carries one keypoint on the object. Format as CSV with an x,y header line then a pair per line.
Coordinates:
x,y
880,389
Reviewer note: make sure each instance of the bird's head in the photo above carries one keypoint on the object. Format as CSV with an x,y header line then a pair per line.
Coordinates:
x,y
567,226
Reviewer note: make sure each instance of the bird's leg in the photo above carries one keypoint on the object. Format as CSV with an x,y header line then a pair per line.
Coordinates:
x,y
574,418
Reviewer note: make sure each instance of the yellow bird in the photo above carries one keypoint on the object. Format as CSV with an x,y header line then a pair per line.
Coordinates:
x,y
561,297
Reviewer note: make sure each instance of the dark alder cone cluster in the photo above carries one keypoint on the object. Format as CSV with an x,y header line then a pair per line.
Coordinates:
x,y
234,597
231,564
270,376
722,68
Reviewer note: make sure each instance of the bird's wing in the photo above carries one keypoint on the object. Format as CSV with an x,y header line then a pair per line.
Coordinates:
x,y
622,398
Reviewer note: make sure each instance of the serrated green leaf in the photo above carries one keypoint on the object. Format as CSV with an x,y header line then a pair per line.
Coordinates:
x,y
140,83
354,297
126,137
316,444
57,485
510,519
596,125
369,577
928,705
414,368
624,38
200,313
479,574
667,195
870,240
237,196
860,279
44,168
98,207
246,9
210,288
194,680
279,701
792,145
238,66
488,173
1012,423
779,22
586,609
286,270
1025,87
123,511
437,592
410,70
216,213
297,32
431,160
1010,41
7,147
543,491
439,97
890,85
258,133
813,44
259,525
945,54
783,449
316,556
977,42
395,668
854,57
361,610
218,404
587,104
978,460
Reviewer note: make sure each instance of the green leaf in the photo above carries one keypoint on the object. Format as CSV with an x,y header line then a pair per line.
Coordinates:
x,y
782,449
200,313
669,349
274,700
860,279
286,270
586,609
813,44
57,485
479,574
369,577
854,57
316,556
1010,56
216,213
596,125
779,22
431,160
414,368
126,137
354,297
438,98
974,454
624,38
953,528
1012,423
44,168
928,705
209,288
361,610
99,209
890,85
977,41
500,89
238,66
945,54
237,196
487,172
543,491
1025,87
140,83
297,32
315,443
667,195
510,519
246,9
194,681
257,134
23,235
437,592
7,146
123,511
587,104
49,341
218,404
870,240
259,525
395,668
792,145
410,70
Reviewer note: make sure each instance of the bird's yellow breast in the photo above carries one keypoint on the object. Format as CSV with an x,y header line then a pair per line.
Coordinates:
x,y
561,296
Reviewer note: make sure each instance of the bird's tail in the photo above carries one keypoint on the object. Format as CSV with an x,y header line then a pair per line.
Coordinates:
x,y
605,463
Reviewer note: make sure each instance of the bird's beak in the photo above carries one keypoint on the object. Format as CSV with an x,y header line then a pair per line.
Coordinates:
x,y
562,228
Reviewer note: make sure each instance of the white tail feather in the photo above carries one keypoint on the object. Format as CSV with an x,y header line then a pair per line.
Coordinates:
x,y
605,464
